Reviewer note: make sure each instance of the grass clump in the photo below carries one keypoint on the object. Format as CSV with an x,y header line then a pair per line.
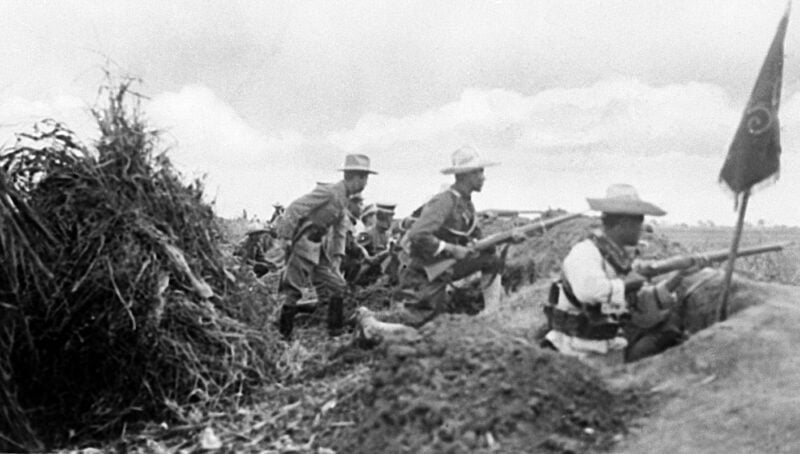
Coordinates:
x,y
116,302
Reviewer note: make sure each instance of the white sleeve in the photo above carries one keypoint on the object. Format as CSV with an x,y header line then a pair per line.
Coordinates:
x,y
583,268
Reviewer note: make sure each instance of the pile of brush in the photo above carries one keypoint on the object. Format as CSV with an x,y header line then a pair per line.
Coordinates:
x,y
116,305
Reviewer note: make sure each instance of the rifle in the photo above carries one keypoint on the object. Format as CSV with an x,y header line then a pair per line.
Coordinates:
x,y
648,312
435,269
681,262
507,213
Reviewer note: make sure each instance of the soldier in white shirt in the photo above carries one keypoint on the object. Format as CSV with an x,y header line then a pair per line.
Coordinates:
x,y
601,308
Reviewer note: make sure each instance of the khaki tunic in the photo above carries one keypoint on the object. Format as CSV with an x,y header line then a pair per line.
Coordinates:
x,y
449,217
306,222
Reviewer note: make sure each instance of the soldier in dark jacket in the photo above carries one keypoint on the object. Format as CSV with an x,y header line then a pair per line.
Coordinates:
x,y
446,228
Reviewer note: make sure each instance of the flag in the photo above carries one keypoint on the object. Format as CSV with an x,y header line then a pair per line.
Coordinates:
x,y
754,155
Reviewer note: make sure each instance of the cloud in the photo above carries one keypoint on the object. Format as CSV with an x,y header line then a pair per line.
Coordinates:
x,y
244,168
18,114
557,147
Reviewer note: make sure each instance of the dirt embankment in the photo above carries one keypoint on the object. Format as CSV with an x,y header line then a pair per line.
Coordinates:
x,y
471,385
732,388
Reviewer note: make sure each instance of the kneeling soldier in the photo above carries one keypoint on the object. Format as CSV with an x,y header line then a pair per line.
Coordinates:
x,y
601,308
446,227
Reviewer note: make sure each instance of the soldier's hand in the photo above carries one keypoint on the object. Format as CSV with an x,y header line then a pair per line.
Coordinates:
x,y
518,237
674,280
459,252
700,262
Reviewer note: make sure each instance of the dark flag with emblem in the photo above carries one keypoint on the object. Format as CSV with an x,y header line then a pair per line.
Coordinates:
x,y
754,155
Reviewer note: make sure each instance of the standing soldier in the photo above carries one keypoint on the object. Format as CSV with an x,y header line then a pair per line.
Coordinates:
x,y
303,225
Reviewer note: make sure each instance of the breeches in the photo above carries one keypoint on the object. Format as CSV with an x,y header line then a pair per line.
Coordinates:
x,y
433,295
300,271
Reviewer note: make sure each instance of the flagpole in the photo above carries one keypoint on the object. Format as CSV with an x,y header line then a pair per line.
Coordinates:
x,y
737,235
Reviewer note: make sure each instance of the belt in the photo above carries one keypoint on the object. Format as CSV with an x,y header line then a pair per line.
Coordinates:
x,y
581,325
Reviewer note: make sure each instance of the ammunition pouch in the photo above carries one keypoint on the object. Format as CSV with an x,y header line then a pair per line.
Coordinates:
x,y
589,324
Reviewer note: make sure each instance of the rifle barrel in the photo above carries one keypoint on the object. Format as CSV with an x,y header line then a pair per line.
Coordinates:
x,y
435,269
503,212
534,227
685,261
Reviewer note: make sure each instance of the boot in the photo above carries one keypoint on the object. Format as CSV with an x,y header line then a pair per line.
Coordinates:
x,y
492,292
286,322
335,316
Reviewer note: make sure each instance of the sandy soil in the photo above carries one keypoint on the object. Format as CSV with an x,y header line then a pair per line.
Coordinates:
x,y
732,388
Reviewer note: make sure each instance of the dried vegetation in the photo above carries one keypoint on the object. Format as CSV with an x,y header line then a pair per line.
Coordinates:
x,y
117,305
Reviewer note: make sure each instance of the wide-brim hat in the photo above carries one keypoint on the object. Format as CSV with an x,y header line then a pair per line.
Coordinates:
x,y
357,163
465,160
623,199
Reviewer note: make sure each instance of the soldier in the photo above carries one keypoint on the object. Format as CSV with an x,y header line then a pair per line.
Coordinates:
x,y
590,308
303,225
376,238
354,253
446,227
368,218
378,244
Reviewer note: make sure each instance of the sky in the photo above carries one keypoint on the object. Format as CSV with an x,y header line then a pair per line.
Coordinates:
x,y
264,99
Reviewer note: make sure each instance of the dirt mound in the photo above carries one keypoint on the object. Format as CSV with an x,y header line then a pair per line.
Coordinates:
x,y
730,388
471,386
702,296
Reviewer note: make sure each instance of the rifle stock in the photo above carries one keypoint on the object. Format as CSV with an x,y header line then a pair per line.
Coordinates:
x,y
435,269
652,269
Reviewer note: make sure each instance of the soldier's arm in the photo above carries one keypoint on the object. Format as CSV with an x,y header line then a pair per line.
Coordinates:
x,y
338,237
663,291
433,215
583,268
301,208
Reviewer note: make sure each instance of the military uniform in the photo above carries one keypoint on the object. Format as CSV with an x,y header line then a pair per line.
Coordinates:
x,y
444,229
590,314
594,315
354,253
449,217
306,222
379,246
374,240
